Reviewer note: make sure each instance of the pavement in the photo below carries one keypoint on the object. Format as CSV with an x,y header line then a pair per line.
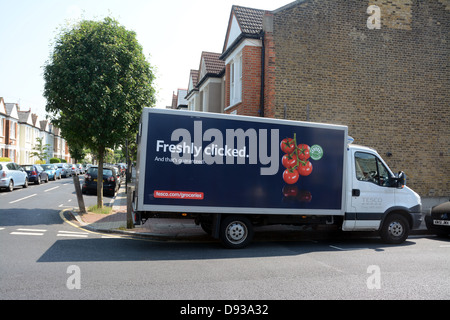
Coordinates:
x,y
175,229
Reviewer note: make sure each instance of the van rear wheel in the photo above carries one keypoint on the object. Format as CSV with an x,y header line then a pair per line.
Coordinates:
x,y
236,232
395,229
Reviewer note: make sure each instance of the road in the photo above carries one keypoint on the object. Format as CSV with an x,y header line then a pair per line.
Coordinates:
x,y
43,257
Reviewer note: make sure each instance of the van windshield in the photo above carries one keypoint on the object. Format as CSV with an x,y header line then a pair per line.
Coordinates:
x,y
369,168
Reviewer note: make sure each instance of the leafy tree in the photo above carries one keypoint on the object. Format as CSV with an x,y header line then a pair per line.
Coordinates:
x,y
96,83
41,150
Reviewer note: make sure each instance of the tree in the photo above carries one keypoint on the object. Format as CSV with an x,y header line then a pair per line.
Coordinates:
x,y
41,150
96,83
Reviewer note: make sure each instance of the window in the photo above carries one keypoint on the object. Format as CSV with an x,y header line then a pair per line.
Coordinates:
x,y
236,80
12,130
370,169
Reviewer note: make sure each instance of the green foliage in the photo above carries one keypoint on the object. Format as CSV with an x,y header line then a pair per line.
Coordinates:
x,y
96,83
5,159
55,160
40,150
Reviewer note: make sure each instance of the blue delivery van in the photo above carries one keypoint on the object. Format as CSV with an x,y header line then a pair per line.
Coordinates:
x,y
232,173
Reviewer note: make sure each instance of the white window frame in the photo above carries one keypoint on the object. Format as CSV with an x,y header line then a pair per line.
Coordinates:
x,y
236,79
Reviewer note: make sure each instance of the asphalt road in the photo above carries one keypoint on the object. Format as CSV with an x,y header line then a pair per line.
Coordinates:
x,y
42,257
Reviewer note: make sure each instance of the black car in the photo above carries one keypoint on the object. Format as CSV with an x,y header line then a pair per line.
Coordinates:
x,y
110,181
36,173
438,221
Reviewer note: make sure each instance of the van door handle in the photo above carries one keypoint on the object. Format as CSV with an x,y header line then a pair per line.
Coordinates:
x,y
356,192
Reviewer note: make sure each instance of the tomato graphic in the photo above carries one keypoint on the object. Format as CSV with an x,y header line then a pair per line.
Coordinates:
x,y
290,176
290,191
305,168
287,145
304,196
303,152
289,160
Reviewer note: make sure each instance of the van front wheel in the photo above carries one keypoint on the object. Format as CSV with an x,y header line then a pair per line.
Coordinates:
x,y
236,232
395,229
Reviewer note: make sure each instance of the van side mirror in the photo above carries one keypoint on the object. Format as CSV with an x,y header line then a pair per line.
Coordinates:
x,y
401,179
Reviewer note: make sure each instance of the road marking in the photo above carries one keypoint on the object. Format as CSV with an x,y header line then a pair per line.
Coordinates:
x,y
72,234
51,189
347,249
23,198
36,230
27,233
444,246
2,228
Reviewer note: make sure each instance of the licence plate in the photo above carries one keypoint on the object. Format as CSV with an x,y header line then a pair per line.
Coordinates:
x,y
442,222
95,180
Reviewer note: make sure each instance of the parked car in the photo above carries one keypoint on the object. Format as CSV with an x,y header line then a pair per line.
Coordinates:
x,y
74,168
438,220
35,173
110,181
66,171
52,170
12,175
80,168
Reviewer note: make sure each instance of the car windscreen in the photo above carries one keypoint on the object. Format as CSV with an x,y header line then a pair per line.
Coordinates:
x,y
28,168
47,166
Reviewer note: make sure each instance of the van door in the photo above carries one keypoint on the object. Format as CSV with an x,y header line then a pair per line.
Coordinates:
x,y
372,194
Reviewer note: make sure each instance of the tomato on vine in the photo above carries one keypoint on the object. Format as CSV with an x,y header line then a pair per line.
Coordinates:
x,y
289,160
290,176
303,151
287,145
305,168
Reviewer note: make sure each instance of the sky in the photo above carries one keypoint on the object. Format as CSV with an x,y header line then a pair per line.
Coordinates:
x,y
173,33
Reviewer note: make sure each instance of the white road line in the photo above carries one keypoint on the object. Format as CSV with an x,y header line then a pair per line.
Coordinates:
x,y
51,189
27,233
73,232
76,234
72,235
444,246
2,228
23,198
35,230
347,249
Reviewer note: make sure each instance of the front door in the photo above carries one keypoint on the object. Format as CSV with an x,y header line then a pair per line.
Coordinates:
x,y
372,194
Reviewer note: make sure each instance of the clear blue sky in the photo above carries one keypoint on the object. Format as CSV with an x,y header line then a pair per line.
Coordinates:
x,y
173,35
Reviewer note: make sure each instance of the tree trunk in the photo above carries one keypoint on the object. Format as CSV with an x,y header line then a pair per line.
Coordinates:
x,y
101,153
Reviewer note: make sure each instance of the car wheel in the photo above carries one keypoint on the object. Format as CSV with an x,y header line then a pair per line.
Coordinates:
x,y
236,232
395,229
10,186
38,181
46,180
25,185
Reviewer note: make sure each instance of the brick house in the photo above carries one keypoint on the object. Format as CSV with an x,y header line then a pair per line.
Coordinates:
x,y
11,132
206,85
380,67
2,127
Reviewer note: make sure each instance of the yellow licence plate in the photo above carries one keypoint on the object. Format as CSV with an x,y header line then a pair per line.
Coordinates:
x,y
95,180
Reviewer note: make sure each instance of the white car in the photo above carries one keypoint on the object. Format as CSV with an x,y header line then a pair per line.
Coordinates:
x,y
12,175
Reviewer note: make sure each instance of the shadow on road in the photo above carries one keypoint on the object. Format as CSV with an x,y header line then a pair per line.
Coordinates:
x,y
116,249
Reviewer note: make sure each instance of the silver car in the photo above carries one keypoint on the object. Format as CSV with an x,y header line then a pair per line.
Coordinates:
x,y
12,175
66,170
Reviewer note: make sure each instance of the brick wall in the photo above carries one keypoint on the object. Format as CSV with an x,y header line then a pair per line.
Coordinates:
x,y
251,83
390,86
